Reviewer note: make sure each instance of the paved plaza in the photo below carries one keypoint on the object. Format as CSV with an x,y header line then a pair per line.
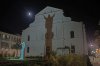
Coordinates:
x,y
95,61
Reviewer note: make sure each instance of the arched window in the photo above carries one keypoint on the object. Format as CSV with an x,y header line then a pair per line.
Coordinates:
x,y
72,34
28,38
28,49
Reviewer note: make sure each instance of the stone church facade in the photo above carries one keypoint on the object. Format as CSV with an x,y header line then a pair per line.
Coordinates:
x,y
52,31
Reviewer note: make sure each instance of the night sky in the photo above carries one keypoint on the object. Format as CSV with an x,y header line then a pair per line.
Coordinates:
x,y
14,16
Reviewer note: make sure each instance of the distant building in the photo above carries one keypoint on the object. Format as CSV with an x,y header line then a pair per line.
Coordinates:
x,y
65,33
7,41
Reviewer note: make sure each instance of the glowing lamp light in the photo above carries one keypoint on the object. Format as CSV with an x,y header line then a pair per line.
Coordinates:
x,y
93,51
91,45
97,49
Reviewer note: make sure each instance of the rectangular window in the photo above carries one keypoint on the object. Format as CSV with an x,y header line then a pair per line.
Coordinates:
x,y
27,49
72,49
28,38
72,34
3,36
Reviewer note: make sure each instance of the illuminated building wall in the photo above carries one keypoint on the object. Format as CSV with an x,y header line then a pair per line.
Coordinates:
x,y
6,42
66,33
